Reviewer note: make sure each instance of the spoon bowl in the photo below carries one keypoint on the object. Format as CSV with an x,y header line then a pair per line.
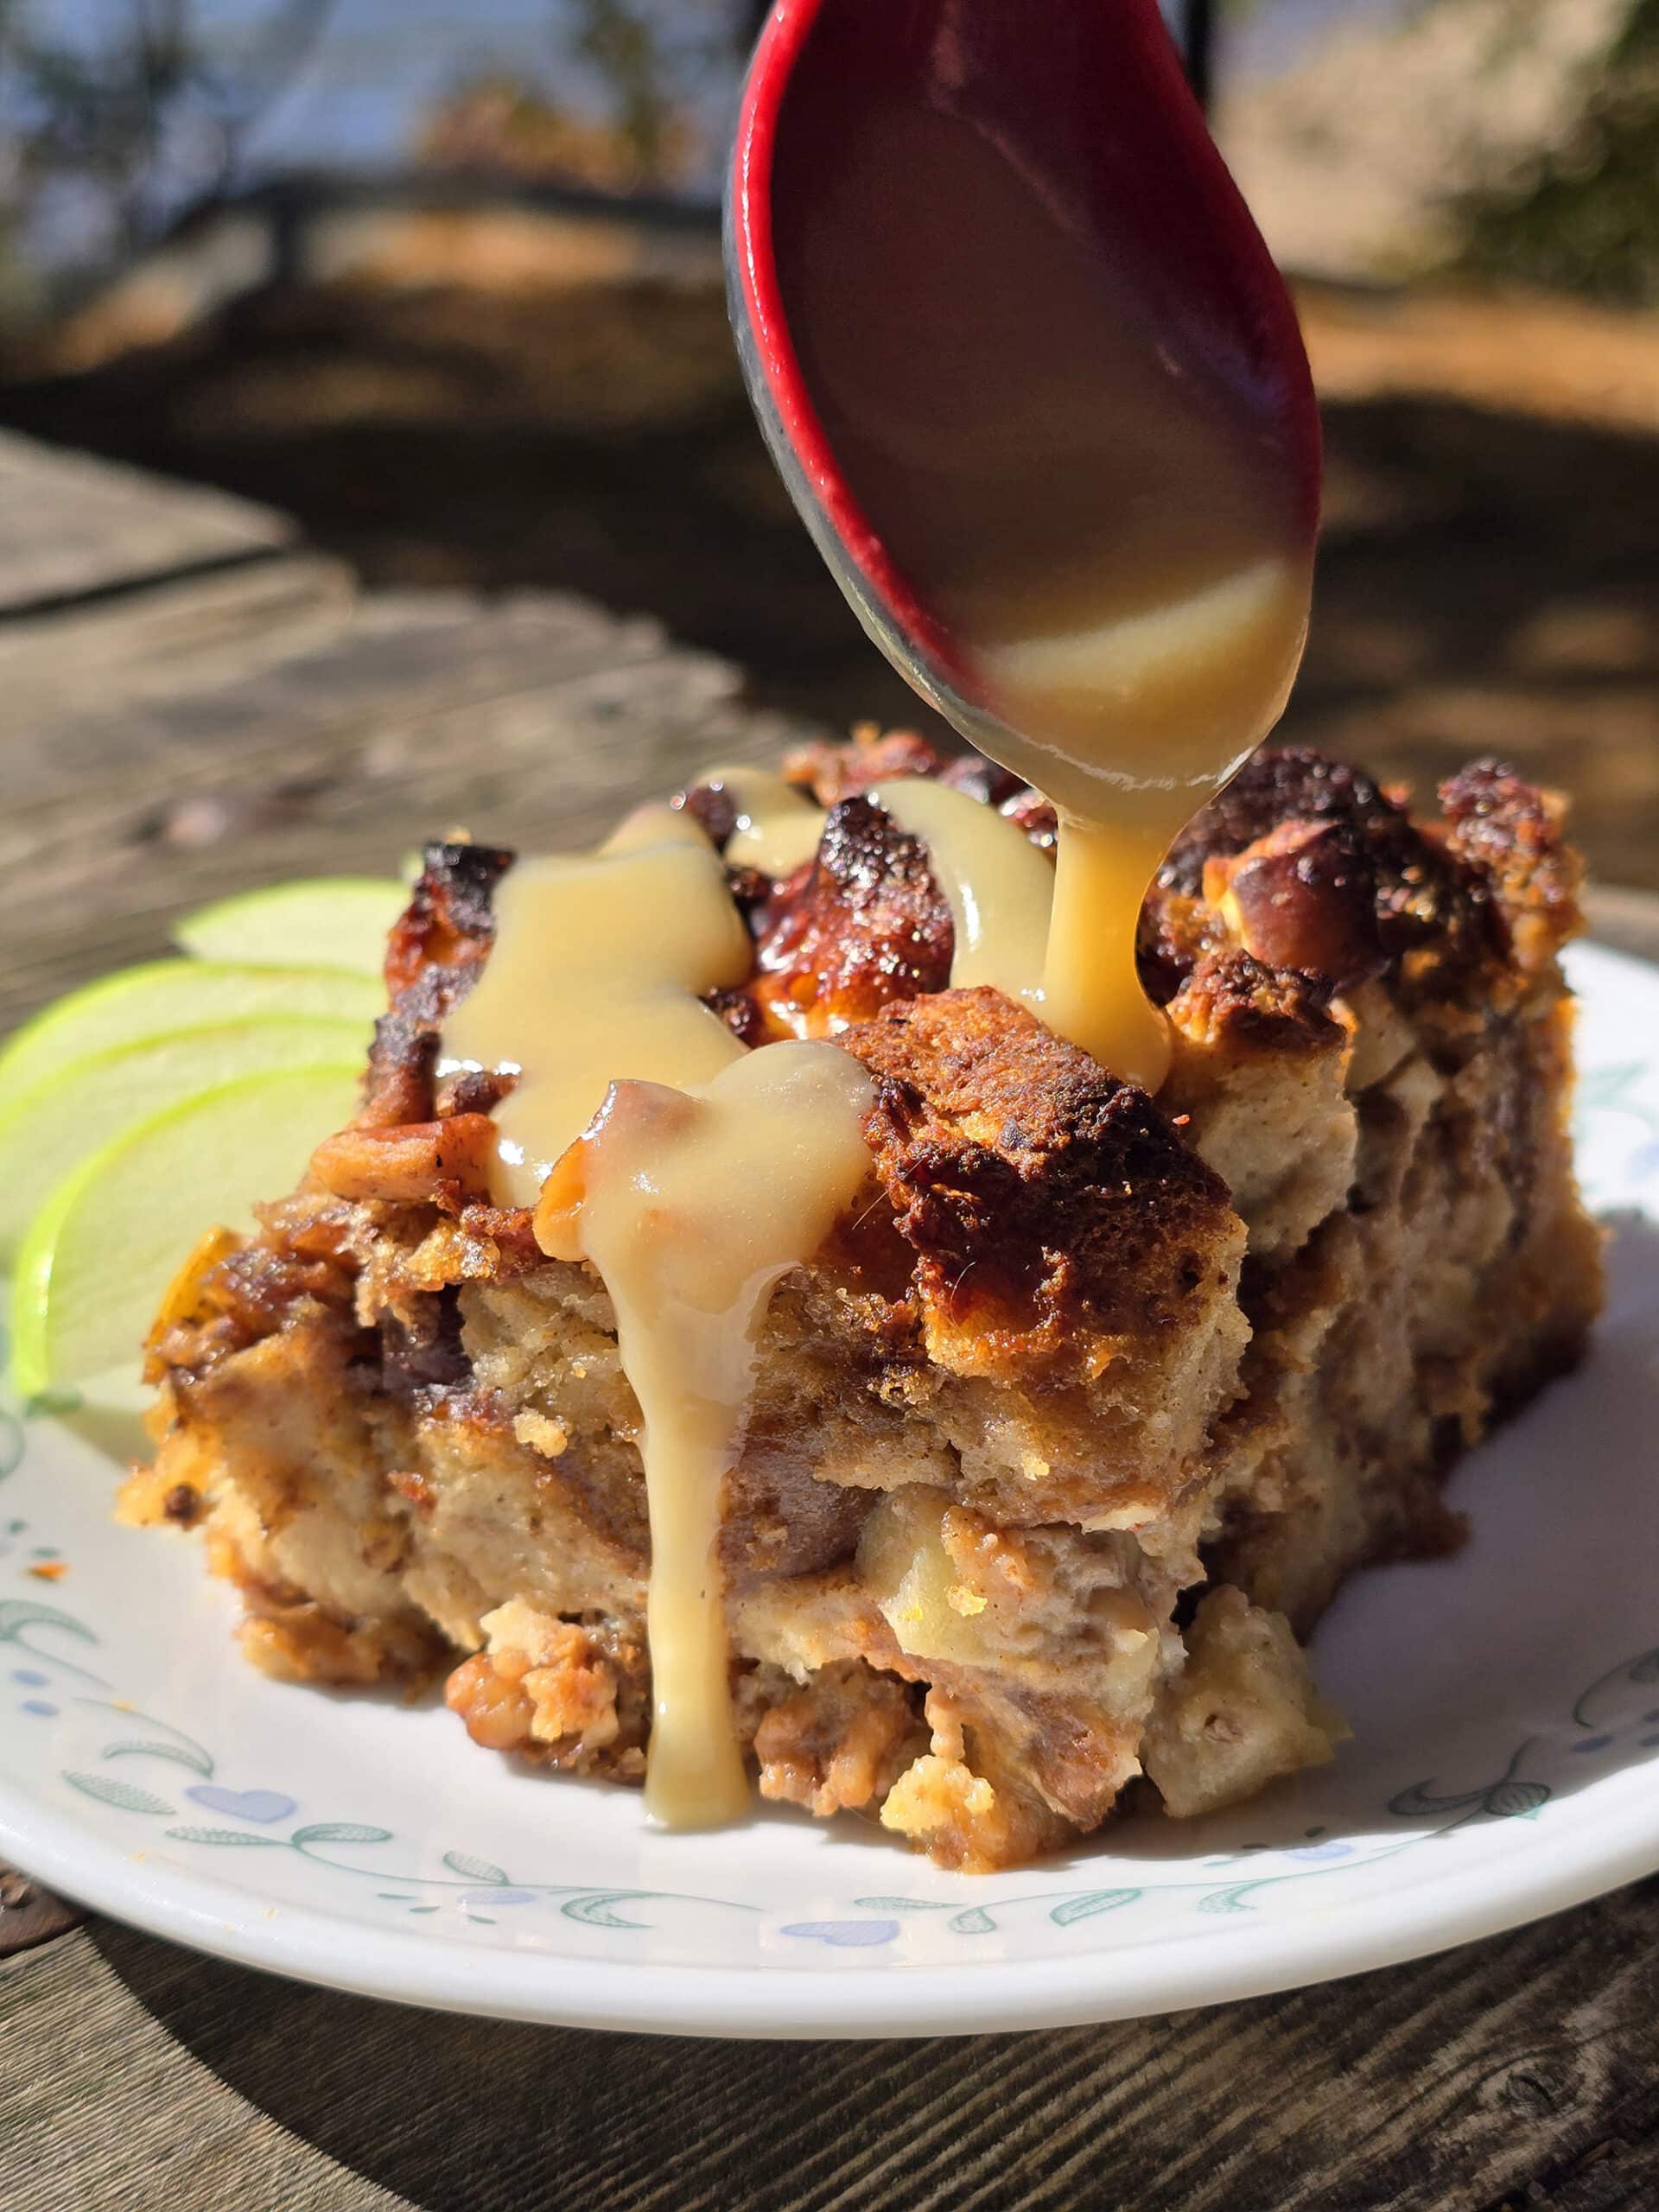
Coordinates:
x,y
929,360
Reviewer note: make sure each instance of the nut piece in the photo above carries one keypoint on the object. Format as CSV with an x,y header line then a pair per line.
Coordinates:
x,y
983,779
834,772
542,1684
842,1739
420,1163
1035,816
1302,898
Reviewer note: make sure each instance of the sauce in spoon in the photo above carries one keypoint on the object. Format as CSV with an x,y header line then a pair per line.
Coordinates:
x,y
1029,355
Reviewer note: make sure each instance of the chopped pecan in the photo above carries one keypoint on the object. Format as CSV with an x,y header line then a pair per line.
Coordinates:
x,y
1511,832
434,1163
982,779
837,772
712,807
1303,898
1437,922
1230,996
511,1230
473,1091
1034,815
740,1014
842,1739
399,1086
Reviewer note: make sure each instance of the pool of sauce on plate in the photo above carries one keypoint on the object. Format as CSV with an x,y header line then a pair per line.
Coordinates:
x,y
1099,505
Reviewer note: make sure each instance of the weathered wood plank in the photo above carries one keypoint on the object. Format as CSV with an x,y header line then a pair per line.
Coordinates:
x,y
374,682
170,638
144,2127
70,526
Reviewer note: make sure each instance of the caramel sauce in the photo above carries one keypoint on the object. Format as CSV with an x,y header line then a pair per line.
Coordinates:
x,y
778,826
692,1205
689,1172
656,822
1086,507
594,978
998,885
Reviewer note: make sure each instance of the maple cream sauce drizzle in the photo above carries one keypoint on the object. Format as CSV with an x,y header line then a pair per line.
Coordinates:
x,y
692,1205
1090,490
778,825
594,977
710,1173
1129,726
998,885
656,822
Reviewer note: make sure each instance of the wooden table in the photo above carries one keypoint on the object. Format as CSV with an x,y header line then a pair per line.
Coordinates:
x,y
191,703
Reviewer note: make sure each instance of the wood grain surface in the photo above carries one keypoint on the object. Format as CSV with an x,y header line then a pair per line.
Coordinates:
x,y
183,711
72,528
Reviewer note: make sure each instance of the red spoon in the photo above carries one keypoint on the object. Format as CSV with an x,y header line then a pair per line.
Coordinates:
x,y
1005,319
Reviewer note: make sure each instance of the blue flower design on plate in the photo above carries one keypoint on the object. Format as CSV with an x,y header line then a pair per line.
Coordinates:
x,y
845,1935
261,1805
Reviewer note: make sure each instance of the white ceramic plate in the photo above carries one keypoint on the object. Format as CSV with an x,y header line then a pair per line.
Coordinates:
x,y
1504,1764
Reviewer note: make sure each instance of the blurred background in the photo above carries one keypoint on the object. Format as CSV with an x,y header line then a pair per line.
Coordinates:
x,y
440,279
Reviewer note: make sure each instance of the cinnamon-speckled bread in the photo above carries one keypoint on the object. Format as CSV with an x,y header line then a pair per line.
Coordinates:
x,y
1082,1414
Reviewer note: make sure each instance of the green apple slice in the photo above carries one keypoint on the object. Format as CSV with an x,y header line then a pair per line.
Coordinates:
x,y
136,1004
103,1249
85,1104
328,921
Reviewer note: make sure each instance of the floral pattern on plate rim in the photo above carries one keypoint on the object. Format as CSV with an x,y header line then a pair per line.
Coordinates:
x,y
480,1888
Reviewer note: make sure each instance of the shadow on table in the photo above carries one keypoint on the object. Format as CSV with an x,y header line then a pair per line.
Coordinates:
x,y
467,2115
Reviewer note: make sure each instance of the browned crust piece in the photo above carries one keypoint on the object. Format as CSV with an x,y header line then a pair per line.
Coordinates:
x,y
1048,1204
1511,835
1318,872
832,773
862,925
436,948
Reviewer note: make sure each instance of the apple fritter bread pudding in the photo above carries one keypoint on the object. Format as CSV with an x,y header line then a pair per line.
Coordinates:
x,y
1071,1428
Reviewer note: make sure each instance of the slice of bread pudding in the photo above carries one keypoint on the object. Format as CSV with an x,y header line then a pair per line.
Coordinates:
x,y
1076,1422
